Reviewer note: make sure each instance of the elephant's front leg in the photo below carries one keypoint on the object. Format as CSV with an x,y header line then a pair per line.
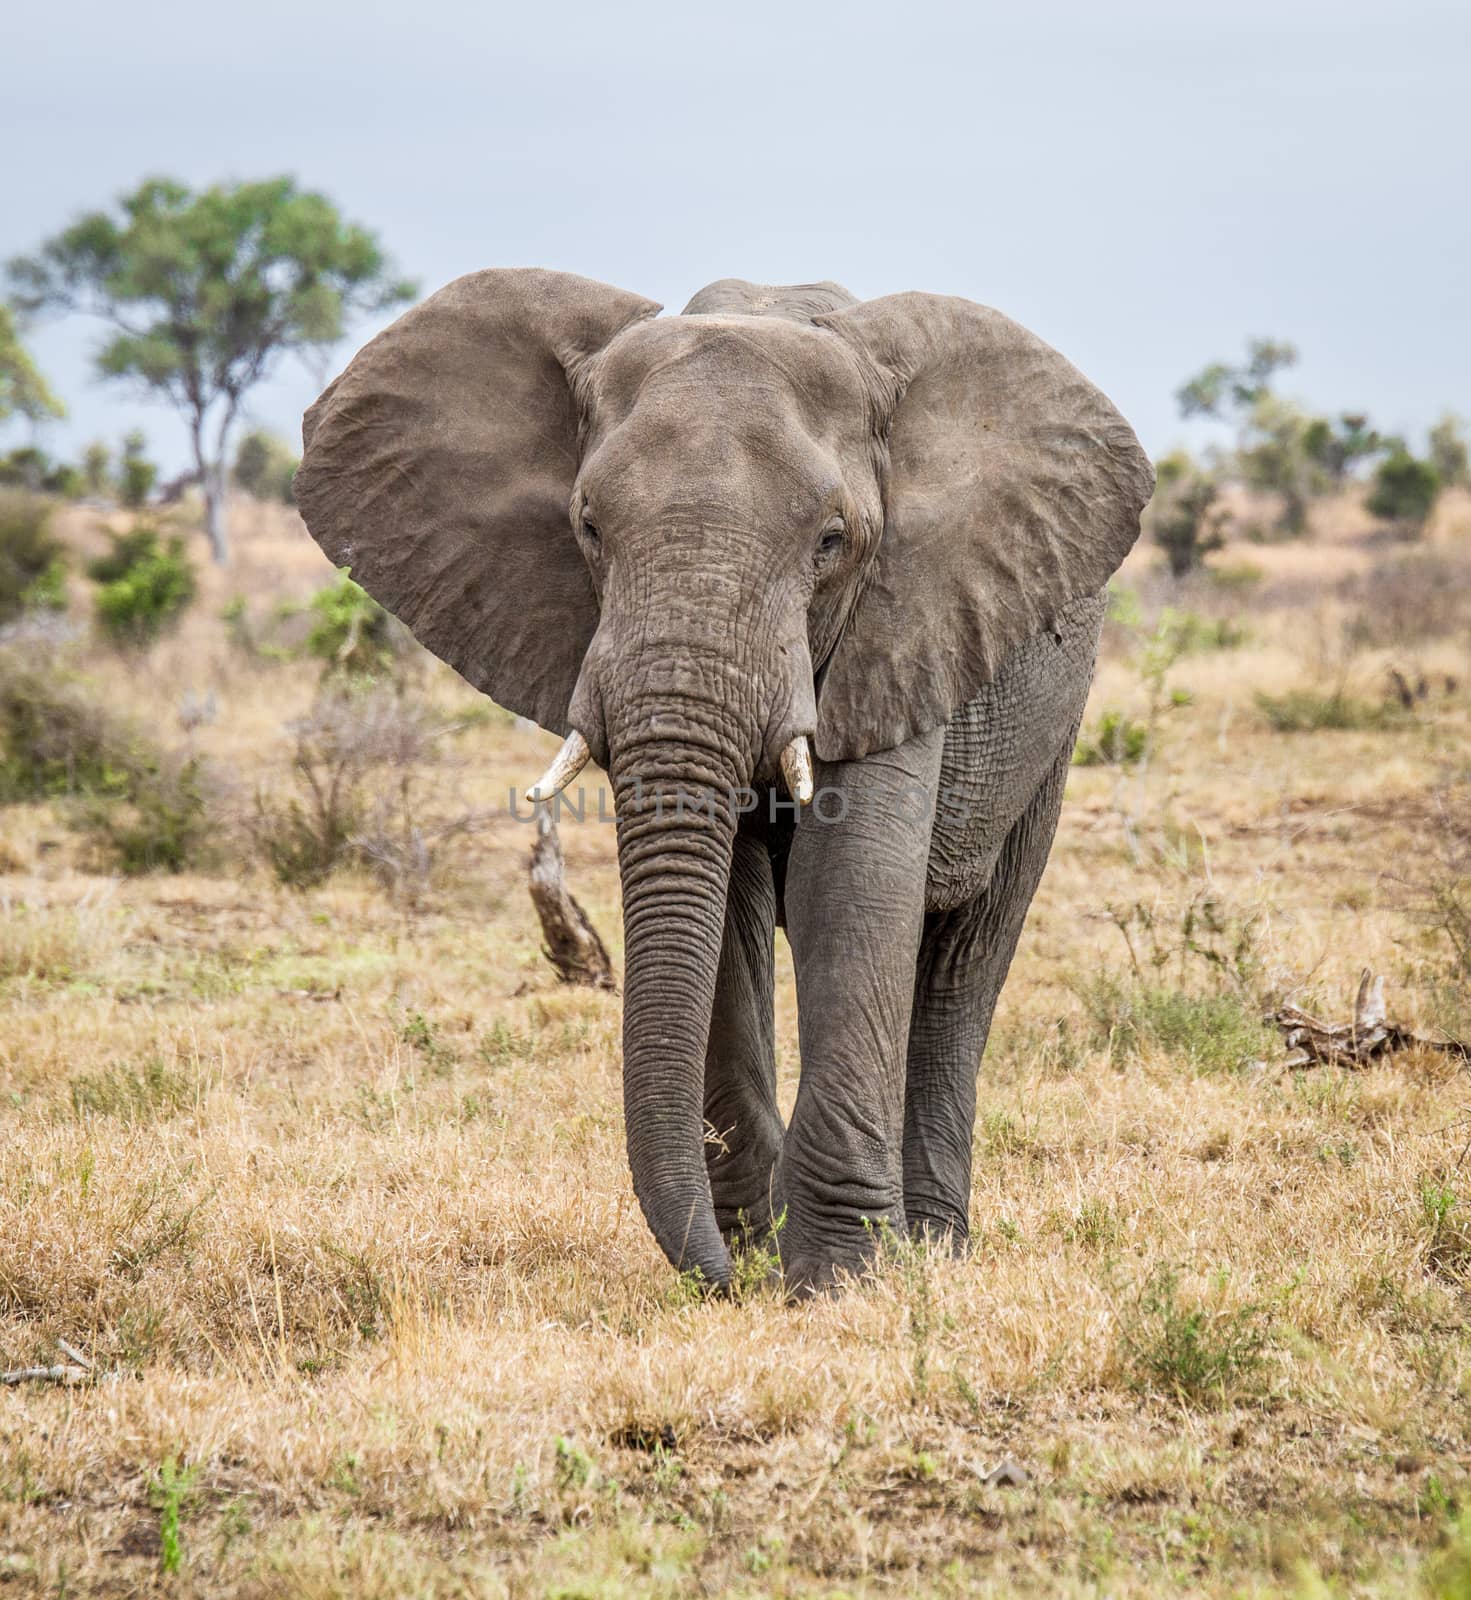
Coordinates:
x,y
743,1136
963,963
854,899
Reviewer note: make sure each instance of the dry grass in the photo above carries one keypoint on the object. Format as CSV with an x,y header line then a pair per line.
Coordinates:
x,y
334,1195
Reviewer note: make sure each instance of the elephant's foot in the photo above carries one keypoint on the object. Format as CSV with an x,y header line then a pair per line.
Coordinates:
x,y
945,1235
815,1263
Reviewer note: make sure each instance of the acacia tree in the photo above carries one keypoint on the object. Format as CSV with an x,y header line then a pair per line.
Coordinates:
x,y
206,292
23,391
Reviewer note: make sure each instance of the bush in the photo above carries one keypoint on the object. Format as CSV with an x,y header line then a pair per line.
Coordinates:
x,y
1188,633
145,586
32,568
351,633
358,767
97,469
162,824
265,466
1405,490
1199,1353
1308,711
1204,1032
1116,740
1411,597
136,473
144,807
31,468
1338,446
1449,454
1184,518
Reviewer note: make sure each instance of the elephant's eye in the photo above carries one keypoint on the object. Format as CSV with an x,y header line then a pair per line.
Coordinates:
x,y
590,530
833,537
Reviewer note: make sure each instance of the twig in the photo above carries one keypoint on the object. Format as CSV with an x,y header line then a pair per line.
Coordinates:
x,y
76,1355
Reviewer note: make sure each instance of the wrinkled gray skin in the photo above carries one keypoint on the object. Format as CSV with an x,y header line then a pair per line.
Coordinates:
x,y
884,526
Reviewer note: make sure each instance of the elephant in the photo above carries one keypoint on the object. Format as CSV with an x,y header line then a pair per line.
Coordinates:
x,y
819,583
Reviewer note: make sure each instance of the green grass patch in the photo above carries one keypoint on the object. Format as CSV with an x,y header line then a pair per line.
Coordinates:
x,y
1205,1032
1199,1351
1307,711
134,1094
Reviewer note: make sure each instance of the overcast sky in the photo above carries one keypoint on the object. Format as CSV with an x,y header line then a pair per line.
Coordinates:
x,y
1143,182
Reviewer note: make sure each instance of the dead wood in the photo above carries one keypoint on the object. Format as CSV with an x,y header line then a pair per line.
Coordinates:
x,y
1353,1044
56,1374
572,943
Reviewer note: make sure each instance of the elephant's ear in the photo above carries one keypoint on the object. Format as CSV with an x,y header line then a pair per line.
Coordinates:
x,y
439,469
1013,487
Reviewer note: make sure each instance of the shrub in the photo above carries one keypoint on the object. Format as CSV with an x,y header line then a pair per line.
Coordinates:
x,y
1309,711
1184,517
56,739
97,468
351,633
145,586
1198,1352
1411,597
1188,633
31,468
1440,887
162,823
1115,740
1449,454
136,473
143,807
1204,1032
32,568
1405,489
358,768
265,466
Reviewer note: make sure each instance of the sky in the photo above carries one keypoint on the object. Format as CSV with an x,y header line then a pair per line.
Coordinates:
x,y
1145,183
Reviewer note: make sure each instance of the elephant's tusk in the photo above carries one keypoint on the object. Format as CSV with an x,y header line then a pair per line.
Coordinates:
x,y
566,764
796,768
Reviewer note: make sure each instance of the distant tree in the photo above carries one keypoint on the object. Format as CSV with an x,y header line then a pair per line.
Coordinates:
x,y
1184,518
265,466
29,467
23,391
136,474
1338,446
1448,452
97,468
1405,489
1280,447
1220,387
1274,455
206,291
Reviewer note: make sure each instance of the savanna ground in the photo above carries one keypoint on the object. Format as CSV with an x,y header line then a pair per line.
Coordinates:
x,y
329,1183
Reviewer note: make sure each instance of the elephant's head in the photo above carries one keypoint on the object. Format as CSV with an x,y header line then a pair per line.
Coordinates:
x,y
690,542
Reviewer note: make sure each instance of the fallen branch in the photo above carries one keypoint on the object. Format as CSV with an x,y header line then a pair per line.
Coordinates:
x,y
58,1374
572,943
73,1370
1353,1044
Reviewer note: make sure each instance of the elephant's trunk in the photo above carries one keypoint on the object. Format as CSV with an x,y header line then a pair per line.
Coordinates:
x,y
676,827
